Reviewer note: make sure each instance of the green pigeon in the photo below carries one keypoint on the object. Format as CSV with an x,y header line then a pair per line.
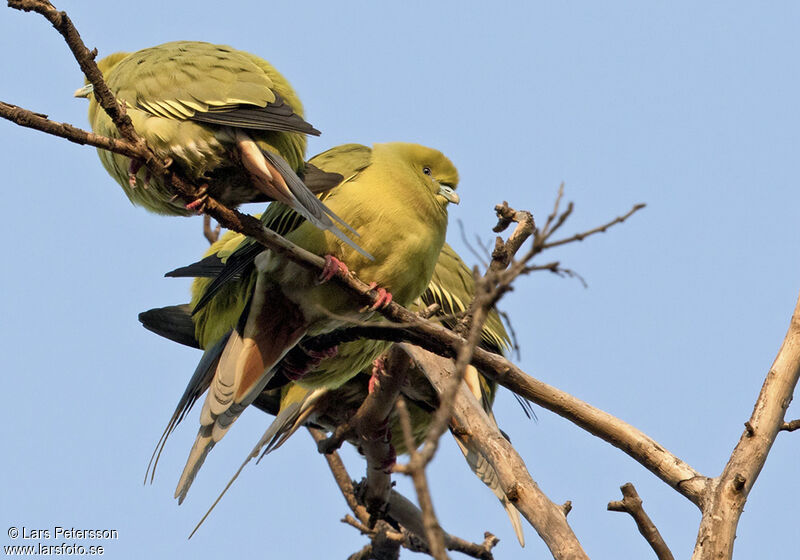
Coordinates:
x,y
224,118
397,196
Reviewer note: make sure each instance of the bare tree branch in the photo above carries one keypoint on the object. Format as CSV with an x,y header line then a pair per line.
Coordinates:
x,y
40,122
728,492
384,544
472,424
370,425
402,511
631,503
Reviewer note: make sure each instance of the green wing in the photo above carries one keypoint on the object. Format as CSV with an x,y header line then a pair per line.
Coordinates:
x,y
453,287
217,84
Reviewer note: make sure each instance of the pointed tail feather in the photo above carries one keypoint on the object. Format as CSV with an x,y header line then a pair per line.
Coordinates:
x,y
289,419
202,445
173,322
486,473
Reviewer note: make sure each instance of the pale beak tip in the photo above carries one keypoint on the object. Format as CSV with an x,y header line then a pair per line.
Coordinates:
x,y
85,91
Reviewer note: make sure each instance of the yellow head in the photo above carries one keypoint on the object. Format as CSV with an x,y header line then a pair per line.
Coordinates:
x,y
431,168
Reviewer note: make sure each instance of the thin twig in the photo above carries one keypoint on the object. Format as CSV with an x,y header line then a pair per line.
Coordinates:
x,y
600,229
416,470
481,258
791,426
631,503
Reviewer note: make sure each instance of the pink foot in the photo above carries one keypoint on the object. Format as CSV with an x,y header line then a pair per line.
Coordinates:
x,y
384,298
331,268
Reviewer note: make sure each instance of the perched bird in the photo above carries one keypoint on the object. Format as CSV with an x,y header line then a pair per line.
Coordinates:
x,y
298,403
224,118
398,197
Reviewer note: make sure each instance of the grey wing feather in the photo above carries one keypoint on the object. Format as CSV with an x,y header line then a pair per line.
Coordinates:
x,y
238,265
277,116
318,180
209,267
173,322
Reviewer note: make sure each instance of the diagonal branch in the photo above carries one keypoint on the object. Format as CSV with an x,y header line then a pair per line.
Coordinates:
x,y
730,489
40,122
642,448
631,503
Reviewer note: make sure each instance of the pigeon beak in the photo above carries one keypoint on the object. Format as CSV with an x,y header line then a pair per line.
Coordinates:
x,y
85,91
449,194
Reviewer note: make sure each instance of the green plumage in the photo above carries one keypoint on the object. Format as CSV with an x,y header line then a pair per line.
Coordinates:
x,y
297,403
404,188
350,161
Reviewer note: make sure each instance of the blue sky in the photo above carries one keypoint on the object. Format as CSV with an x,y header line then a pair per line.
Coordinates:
x,y
690,108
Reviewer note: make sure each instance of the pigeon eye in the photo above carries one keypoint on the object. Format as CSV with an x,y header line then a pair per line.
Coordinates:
x,y
426,170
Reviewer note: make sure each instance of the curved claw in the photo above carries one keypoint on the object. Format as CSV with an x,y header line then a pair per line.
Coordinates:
x,y
331,268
